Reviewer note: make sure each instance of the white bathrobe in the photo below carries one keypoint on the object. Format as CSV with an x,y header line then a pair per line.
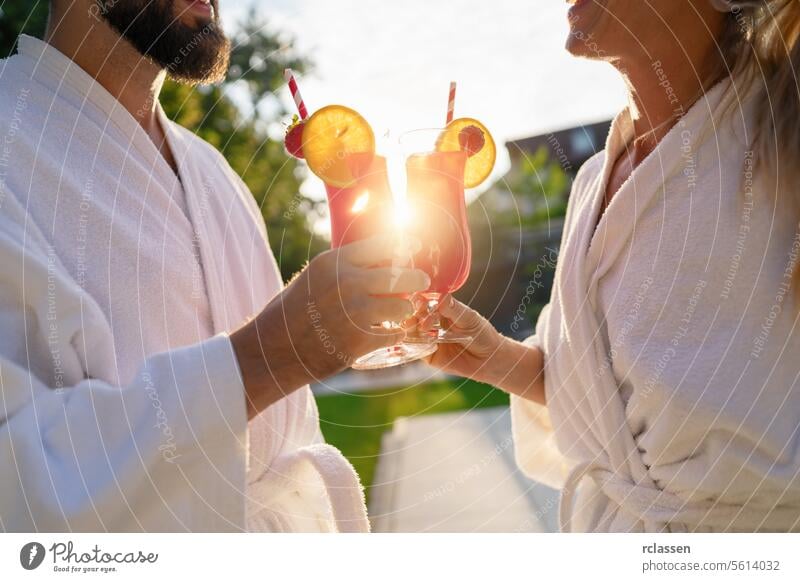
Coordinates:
x,y
122,403
671,340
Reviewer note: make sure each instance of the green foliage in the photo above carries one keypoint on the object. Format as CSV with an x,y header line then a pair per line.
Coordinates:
x,y
544,180
241,133
355,423
21,17
259,59
538,187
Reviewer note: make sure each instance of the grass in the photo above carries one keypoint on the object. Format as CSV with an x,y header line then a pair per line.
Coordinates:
x,y
355,422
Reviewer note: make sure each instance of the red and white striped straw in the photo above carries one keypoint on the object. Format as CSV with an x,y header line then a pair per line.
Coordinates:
x,y
298,99
451,101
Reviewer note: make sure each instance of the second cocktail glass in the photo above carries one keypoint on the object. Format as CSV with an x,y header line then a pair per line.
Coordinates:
x,y
437,216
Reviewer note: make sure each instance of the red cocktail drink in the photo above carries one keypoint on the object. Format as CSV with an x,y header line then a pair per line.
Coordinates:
x,y
365,208
438,218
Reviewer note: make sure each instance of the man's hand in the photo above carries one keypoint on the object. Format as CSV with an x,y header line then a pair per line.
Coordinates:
x,y
325,318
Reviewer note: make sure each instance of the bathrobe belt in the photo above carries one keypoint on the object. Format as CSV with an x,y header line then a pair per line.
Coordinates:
x,y
665,511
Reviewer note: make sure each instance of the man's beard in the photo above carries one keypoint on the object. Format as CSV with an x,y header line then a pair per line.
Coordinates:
x,y
189,54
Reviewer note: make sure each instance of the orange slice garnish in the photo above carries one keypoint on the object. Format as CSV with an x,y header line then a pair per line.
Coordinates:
x,y
479,163
330,135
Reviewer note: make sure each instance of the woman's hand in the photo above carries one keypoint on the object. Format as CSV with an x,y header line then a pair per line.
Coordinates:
x,y
489,357
472,358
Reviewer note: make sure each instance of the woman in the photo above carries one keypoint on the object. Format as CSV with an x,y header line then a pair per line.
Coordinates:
x,y
661,389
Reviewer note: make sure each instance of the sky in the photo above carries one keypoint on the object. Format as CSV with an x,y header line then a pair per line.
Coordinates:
x,y
393,60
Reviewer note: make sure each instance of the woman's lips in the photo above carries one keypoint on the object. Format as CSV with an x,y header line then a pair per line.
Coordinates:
x,y
576,6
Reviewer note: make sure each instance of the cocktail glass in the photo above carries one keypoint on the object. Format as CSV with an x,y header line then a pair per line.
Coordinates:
x,y
360,211
437,216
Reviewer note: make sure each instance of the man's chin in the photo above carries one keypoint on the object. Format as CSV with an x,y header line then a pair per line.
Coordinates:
x,y
209,68
194,53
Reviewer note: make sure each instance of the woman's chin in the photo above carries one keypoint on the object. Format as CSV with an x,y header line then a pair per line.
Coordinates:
x,y
578,46
574,46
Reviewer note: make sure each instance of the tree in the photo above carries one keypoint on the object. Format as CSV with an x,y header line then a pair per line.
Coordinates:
x,y
241,133
20,17
542,179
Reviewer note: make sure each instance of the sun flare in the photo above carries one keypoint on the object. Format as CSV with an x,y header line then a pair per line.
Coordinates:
x,y
361,203
402,214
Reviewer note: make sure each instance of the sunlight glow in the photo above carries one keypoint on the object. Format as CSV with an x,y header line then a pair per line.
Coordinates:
x,y
394,67
402,214
361,203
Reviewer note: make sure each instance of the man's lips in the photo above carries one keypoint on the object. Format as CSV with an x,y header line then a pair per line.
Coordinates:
x,y
200,7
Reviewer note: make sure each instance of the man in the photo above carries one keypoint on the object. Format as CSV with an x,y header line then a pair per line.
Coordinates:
x,y
153,373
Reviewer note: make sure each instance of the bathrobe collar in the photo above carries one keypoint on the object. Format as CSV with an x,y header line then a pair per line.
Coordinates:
x,y
56,70
675,153
198,171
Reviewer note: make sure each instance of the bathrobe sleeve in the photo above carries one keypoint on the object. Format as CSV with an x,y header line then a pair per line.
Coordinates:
x,y
164,452
535,447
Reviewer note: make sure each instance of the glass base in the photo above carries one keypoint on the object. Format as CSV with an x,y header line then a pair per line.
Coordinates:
x,y
394,355
439,336
448,336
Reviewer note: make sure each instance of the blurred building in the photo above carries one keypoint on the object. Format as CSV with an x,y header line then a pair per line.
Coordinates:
x,y
569,147
516,225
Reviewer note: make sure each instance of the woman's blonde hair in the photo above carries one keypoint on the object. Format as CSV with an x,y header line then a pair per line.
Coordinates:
x,y
761,47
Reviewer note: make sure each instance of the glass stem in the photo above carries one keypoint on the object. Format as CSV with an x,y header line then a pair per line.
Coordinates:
x,y
433,312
